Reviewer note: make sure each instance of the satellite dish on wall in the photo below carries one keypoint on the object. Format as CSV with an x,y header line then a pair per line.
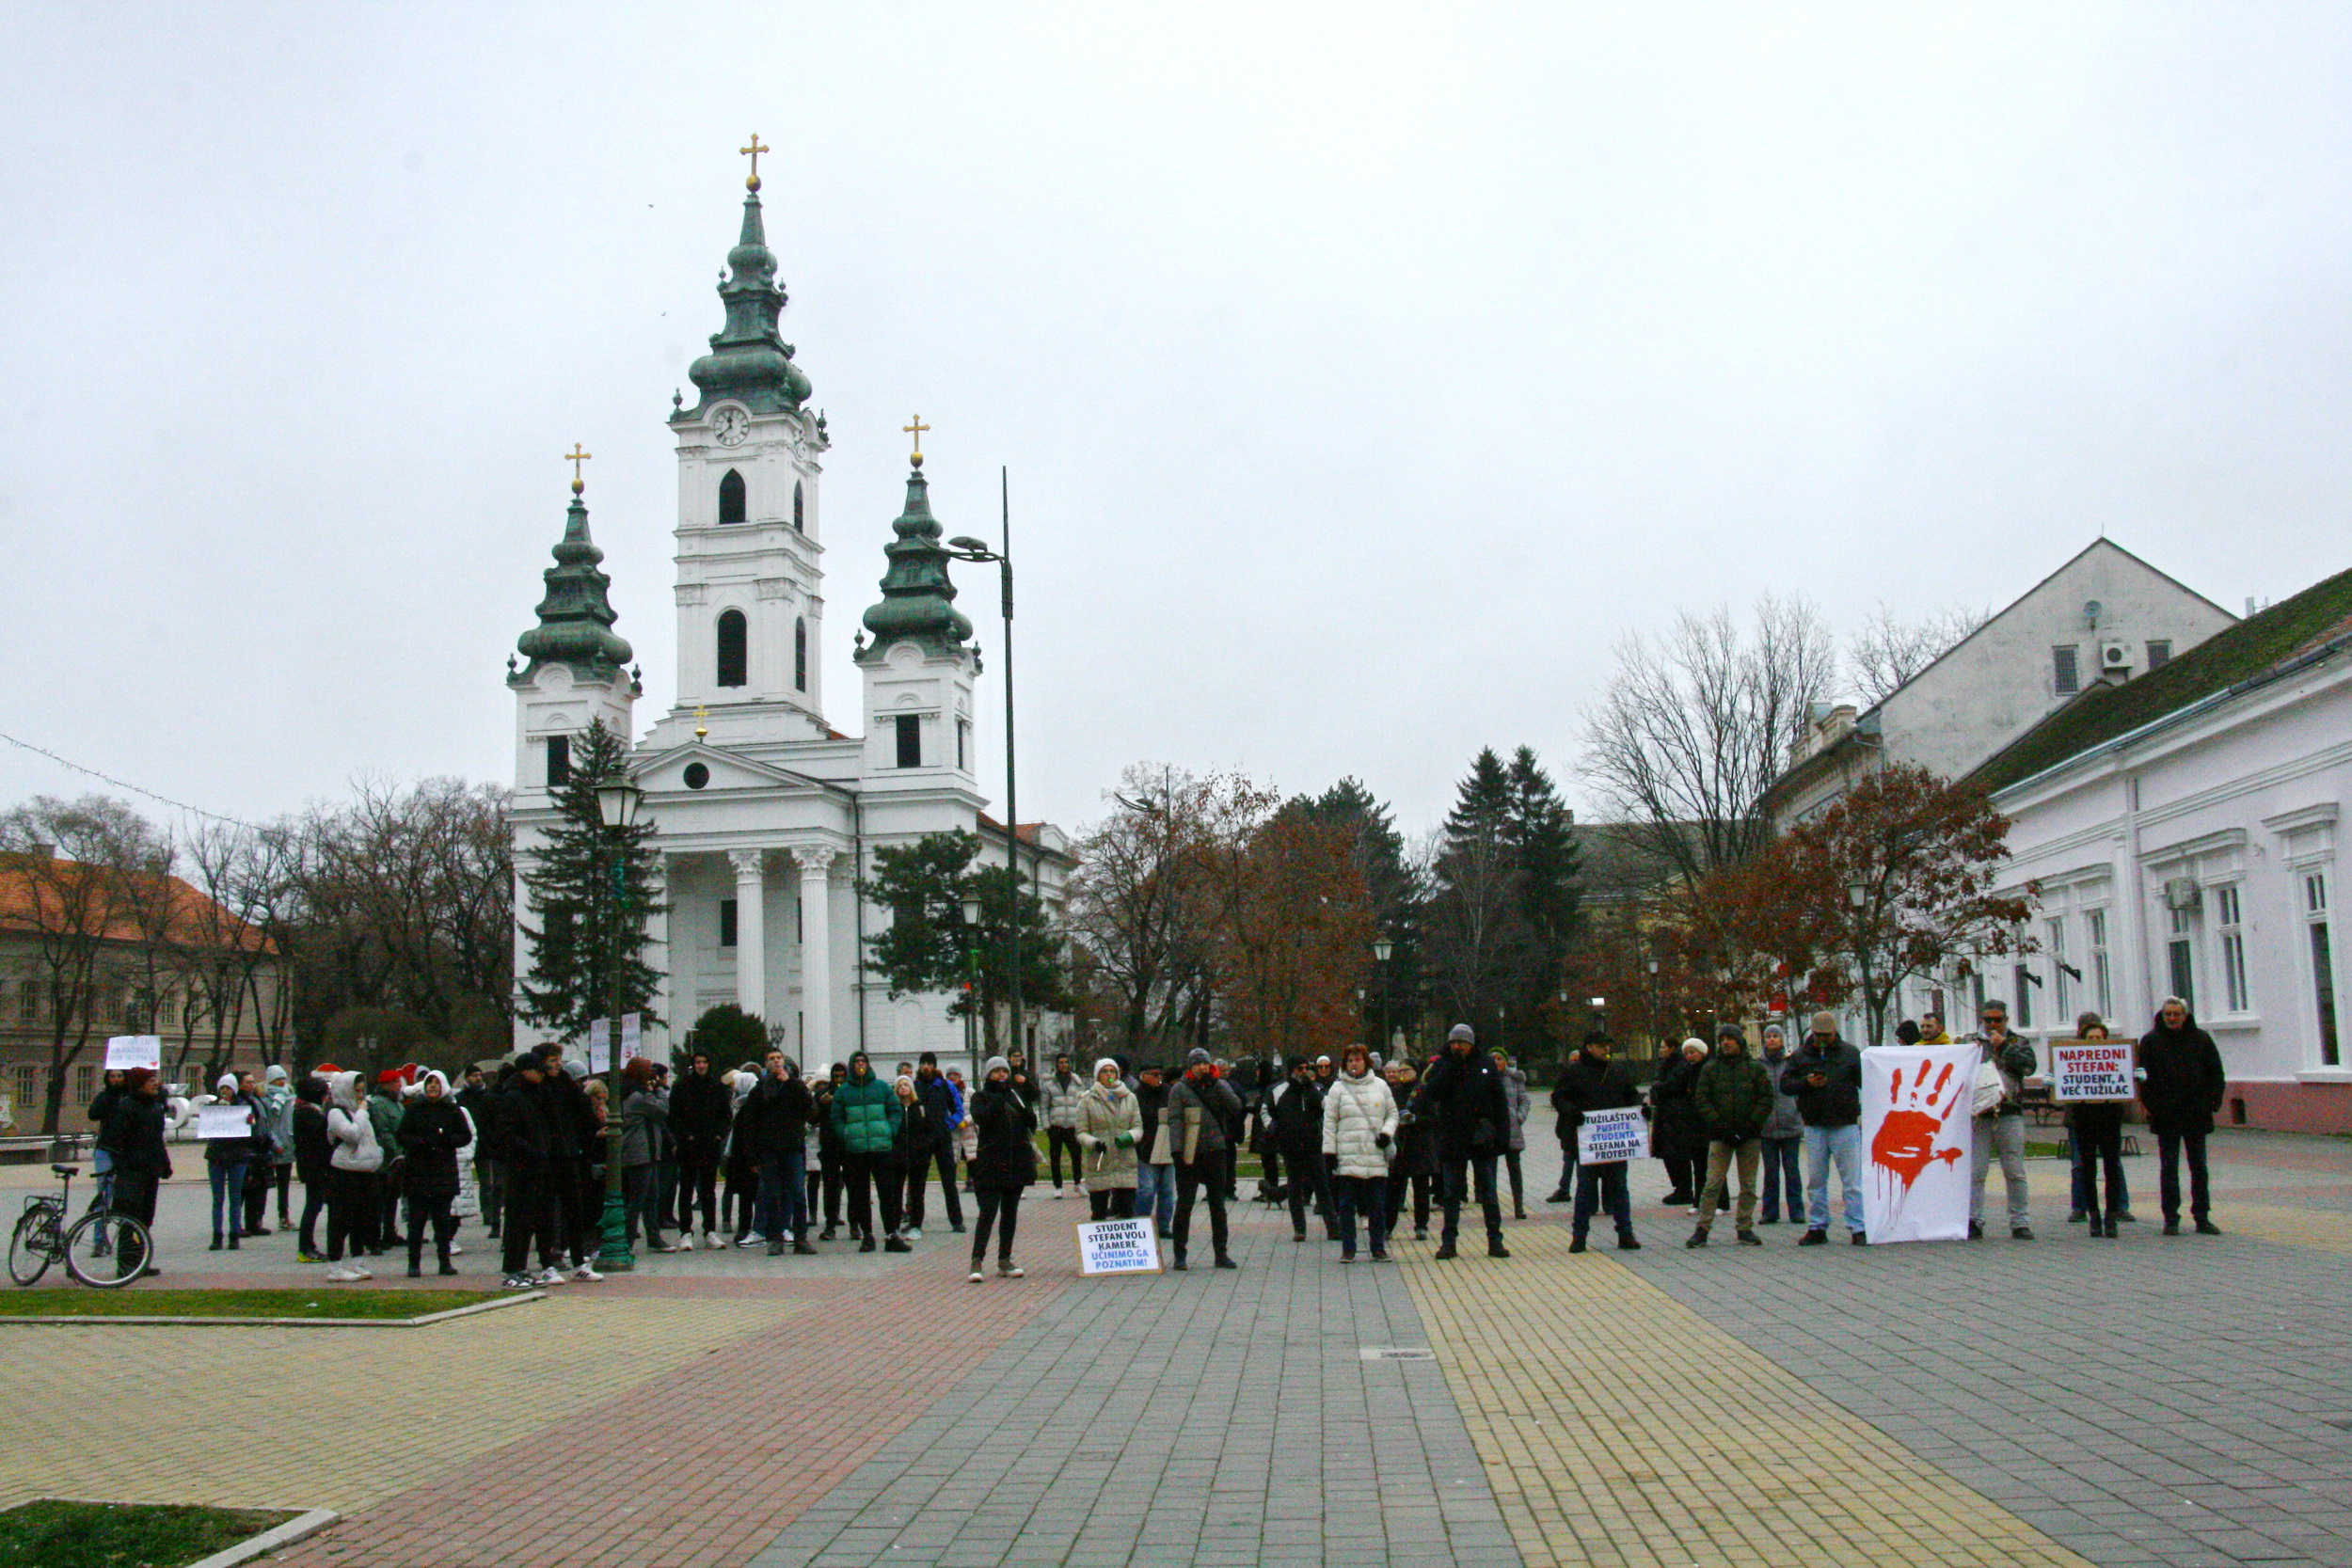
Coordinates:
x,y
2091,612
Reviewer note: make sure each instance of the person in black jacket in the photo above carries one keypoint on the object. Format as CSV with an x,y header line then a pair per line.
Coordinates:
x,y
134,1141
832,1155
474,1098
576,1154
431,1133
311,1152
1295,1108
940,1121
775,1119
1825,1075
2182,1083
1592,1082
1673,1120
520,1114
1413,1159
701,1110
225,1160
1464,1096
1005,1167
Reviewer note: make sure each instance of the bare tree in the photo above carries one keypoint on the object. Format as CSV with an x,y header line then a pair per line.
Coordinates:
x,y
1135,911
1890,648
1693,727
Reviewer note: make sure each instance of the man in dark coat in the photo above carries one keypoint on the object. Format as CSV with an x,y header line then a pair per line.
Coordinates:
x,y
1295,1109
1825,1075
1463,1097
133,1138
519,1115
1593,1082
1733,1100
474,1098
1675,1139
774,1120
940,1120
2182,1081
701,1110
1199,1119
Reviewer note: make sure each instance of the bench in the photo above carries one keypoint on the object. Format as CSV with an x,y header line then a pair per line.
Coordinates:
x,y
35,1149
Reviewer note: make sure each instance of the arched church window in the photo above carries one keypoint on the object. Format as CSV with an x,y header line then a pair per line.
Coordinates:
x,y
797,514
731,498
799,655
734,651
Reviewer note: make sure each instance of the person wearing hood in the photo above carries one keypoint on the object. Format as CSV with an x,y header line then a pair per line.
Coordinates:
x,y
432,1131
133,1138
1295,1107
1733,1096
772,1125
1783,1137
1198,1122
277,1102
2001,1126
1825,1076
1005,1167
2182,1083
1057,1101
1109,1127
520,1117
225,1160
1155,1171
1463,1097
354,1160
701,1111
1414,1165
1359,1128
645,1145
576,1148
866,1114
739,1201
943,1119
312,1151
1519,1101
1593,1081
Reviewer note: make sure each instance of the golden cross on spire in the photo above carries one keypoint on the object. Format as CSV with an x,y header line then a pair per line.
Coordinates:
x,y
752,153
575,457
917,430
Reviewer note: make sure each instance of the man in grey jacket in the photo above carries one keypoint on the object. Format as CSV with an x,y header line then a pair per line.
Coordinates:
x,y
2001,1129
1057,1098
1199,1108
1784,1135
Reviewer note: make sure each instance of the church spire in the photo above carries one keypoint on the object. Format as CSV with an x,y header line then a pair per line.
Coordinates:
x,y
749,360
918,600
576,618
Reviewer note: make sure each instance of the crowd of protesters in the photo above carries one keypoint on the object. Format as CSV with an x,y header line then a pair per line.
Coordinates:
x,y
755,1156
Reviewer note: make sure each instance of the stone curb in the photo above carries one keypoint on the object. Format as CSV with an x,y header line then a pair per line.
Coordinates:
x,y
425,1322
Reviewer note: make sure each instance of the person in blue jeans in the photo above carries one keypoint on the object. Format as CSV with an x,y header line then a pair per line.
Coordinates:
x,y
1825,1076
1783,1136
1155,1169
1593,1082
225,1160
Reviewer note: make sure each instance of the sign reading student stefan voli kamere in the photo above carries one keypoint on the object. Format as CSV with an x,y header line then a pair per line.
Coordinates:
x,y
1606,1137
1119,1246
2090,1070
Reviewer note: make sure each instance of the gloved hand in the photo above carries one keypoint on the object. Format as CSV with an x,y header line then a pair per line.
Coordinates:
x,y
1332,1165
1126,1140
1381,1140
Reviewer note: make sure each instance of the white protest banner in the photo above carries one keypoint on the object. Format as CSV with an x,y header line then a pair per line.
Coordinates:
x,y
1118,1247
224,1122
629,1035
598,1032
1917,1137
125,1052
1606,1137
2087,1070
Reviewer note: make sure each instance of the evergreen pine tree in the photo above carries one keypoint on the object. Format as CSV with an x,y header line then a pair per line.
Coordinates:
x,y
570,882
1544,846
926,947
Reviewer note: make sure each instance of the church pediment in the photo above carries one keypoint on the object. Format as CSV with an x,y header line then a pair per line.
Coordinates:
x,y
696,768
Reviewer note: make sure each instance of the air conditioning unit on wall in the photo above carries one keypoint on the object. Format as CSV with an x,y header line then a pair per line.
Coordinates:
x,y
2115,659
2182,892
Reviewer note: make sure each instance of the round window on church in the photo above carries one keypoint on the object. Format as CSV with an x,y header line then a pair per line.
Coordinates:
x,y
696,775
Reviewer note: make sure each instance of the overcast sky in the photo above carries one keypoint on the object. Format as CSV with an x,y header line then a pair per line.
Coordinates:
x,y
1362,373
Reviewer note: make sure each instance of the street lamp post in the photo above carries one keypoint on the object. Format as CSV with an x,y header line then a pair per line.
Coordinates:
x,y
971,985
1857,896
618,801
965,548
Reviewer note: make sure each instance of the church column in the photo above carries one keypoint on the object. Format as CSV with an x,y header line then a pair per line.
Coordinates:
x,y
815,958
750,931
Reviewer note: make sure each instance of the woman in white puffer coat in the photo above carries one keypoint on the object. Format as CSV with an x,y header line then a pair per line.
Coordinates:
x,y
1358,1130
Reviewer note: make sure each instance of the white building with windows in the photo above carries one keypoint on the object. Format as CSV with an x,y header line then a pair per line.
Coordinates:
x,y
767,815
2183,828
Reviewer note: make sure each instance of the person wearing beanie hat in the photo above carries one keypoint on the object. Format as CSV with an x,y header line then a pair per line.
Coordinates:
x,y
225,1160
1595,1082
942,1119
274,1166
1156,1162
1296,1107
1825,1076
133,1138
1568,1117
909,1147
1199,1113
1109,1127
1463,1099
1005,1167
1733,1095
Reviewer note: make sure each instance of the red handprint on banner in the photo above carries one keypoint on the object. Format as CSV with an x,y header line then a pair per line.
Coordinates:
x,y
1905,1144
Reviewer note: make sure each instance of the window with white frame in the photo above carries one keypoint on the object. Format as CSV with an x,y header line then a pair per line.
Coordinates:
x,y
2180,955
2098,974
2054,938
2318,939
2021,985
2230,935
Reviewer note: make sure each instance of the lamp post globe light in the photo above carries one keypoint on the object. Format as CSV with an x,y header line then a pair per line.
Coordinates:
x,y
1381,949
965,547
618,803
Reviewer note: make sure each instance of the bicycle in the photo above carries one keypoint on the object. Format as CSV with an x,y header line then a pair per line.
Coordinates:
x,y
42,1237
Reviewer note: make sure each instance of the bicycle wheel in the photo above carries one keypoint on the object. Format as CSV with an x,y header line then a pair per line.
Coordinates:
x,y
33,1244
105,1270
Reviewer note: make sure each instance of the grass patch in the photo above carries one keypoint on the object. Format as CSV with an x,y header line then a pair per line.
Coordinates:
x,y
54,1534
136,1303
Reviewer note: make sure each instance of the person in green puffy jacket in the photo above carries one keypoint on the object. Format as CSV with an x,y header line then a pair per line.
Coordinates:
x,y
867,1116
1733,1098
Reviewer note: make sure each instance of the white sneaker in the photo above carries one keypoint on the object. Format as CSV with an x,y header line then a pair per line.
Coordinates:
x,y
360,1270
582,1271
912,1233
710,1240
754,1238
341,1275
1057,1195
517,1282
784,1234
456,1251
976,1276
550,1276
685,1241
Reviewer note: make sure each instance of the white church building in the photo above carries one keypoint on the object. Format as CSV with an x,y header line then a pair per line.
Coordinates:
x,y
765,813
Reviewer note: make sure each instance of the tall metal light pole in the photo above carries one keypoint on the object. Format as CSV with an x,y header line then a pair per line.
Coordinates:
x,y
967,549
618,800
1381,949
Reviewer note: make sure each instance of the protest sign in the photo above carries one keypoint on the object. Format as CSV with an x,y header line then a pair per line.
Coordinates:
x,y
1607,1137
600,1032
224,1122
1118,1247
2090,1070
629,1035
1919,1136
125,1052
